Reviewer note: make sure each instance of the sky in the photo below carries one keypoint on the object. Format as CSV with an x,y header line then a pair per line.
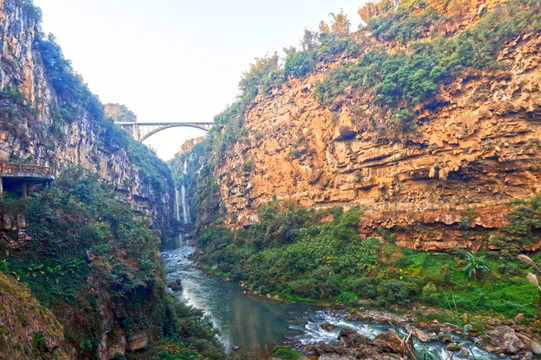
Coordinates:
x,y
177,60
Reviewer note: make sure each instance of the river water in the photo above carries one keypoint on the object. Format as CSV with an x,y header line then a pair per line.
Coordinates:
x,y
256,325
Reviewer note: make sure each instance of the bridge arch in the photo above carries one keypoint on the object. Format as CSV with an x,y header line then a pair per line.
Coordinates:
x,y
142,131
164,127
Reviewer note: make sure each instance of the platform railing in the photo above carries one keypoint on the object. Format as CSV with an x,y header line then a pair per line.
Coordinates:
x,y
11,168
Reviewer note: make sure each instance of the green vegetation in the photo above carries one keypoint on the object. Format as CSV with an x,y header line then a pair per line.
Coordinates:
x,y
325,46
328,48
87,251
402,79
286,353
307,255
68,84
524,226
263,74
32,11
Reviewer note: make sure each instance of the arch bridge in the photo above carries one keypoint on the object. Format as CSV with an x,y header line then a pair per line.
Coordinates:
x,y
143,130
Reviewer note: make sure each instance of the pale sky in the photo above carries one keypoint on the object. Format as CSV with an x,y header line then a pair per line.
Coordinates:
x,y
177,60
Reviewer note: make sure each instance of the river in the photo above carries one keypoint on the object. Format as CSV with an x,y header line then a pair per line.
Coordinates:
x,y
256,325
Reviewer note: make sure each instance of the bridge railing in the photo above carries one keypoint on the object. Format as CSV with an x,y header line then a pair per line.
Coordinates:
x,y
11,168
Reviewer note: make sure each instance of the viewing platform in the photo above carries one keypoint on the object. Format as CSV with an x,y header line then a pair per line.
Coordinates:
x,y
19,176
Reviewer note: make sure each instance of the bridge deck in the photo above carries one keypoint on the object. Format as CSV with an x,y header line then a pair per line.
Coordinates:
x,y
166,123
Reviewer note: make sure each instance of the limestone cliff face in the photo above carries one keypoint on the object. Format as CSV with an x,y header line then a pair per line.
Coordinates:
x,y
452,175
119,112
55,128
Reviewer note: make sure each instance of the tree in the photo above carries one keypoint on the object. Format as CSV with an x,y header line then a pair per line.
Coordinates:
x,y
340,25
261,68
387,5
309,40
368,11
290,51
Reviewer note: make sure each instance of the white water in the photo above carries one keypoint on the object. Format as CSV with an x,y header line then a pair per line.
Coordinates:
x,y
177,211
185,214
311,332
185,206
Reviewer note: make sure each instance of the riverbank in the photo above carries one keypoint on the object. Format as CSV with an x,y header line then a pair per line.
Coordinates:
x,y
305,331
503,337
500,335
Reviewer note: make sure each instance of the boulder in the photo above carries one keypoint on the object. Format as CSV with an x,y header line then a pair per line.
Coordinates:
x,y
389,342
138,342
21,221
327,326
421,335
446,339
118,348
350,338
176,285
119,343
536,348
505,338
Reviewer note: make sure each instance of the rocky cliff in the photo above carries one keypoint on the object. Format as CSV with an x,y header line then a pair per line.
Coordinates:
x,y
80,272
50,118
443,183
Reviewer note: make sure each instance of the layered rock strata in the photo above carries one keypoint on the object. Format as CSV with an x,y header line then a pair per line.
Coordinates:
x,y
432,188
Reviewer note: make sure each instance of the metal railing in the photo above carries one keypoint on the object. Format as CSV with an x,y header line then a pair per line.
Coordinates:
x,y
11,168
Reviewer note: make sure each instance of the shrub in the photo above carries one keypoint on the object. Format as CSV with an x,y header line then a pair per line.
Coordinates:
x,y
299,64
325,283
396,292
365,287
523,228
430,292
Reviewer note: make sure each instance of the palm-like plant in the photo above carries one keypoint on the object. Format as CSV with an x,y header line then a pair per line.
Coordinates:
x,y
475,265
341,24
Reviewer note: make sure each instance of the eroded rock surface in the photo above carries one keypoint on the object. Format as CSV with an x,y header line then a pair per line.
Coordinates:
x,y
443,185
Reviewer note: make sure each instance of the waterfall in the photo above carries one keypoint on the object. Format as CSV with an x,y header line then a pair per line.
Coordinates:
x,y
185,206
176,204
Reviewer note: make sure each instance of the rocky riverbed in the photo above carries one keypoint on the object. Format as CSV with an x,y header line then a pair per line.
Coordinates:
x,y
504,340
